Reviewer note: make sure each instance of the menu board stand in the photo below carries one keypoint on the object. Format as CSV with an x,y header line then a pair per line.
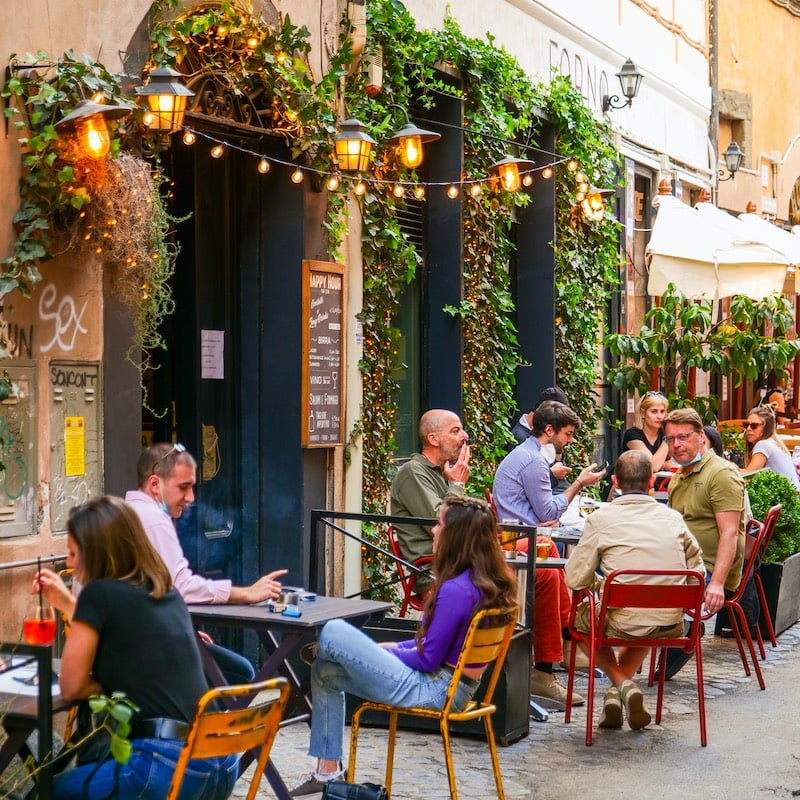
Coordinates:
x,y
323,354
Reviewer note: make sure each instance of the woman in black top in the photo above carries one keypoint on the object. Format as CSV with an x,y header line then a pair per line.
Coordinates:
x,y
130,632
649,437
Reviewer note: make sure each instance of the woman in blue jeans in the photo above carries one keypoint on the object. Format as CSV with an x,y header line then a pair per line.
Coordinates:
x,y
130,632
471,574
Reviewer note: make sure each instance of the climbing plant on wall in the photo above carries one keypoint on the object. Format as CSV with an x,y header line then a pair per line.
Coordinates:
x,y
499,103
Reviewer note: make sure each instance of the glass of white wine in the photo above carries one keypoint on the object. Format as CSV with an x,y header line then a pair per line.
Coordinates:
x,y
586,504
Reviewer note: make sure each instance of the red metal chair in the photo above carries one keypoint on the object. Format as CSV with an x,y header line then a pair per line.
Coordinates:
x,y
687,596
736,616
410,598
770,520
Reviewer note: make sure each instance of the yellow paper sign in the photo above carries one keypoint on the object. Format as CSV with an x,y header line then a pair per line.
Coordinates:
x,y
75,446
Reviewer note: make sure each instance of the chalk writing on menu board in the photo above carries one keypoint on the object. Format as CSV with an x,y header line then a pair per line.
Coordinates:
x,y
323,380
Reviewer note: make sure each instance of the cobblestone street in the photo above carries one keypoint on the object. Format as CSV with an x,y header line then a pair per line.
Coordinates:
x,y
751,750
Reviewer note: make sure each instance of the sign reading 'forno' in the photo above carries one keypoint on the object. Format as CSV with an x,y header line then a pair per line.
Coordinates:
x,y
323,353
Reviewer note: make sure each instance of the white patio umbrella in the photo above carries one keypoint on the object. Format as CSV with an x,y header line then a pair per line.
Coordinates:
x,y
706,252
787,243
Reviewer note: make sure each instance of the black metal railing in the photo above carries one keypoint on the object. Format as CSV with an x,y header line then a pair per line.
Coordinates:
x,y
324,521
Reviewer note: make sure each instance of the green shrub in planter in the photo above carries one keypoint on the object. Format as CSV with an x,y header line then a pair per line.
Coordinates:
x,y
766,489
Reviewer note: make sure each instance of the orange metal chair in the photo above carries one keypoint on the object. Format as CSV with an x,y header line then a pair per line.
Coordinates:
x,y
770,520
216,732
410,598
619,594
482,645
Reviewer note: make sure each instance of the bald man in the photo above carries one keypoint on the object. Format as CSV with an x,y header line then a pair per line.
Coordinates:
x,y
421,485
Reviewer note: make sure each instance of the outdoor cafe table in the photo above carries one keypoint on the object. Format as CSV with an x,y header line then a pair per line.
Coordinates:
x,y
281,637
25,709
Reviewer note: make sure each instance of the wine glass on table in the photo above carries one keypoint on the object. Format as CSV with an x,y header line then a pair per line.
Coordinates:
x,y
586,504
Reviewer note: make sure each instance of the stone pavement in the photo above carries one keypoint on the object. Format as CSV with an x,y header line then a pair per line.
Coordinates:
x,y
751,749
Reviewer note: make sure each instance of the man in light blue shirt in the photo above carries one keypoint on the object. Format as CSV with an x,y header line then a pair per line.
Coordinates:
x,y
522,492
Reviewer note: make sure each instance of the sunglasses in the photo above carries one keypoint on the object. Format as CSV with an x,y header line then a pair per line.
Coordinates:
x,y
752,425
176,448
655,394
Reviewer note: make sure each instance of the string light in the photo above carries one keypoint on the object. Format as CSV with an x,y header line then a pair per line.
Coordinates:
x,y
419,190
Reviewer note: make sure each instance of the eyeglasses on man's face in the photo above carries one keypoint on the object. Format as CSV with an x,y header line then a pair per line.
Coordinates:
x,y
679,437
176,448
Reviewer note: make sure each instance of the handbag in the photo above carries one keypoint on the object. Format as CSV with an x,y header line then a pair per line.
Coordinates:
x,y
342,790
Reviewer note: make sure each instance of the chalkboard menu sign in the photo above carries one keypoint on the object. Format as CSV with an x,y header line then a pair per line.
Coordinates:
x,y
323,354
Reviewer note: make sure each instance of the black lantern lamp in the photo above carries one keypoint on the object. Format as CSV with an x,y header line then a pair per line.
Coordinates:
x,y
508,171
353,146
166,97
733,157
630,79
409,140
88,120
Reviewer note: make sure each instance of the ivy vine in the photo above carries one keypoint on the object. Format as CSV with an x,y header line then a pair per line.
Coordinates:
x,y
499,103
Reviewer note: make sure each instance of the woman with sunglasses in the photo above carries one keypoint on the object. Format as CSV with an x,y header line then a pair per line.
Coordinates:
x,y
763,448
471,574
649,436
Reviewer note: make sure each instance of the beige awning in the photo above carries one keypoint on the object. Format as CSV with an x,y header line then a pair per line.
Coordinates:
x,y
706,252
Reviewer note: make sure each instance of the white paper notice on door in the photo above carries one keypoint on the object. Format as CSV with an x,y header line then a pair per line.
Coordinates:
x,y
212,355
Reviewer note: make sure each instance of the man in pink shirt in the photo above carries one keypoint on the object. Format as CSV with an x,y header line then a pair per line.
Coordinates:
x,y
167,475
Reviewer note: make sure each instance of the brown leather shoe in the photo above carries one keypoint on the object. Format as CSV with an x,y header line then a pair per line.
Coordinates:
x,y
545,684
581,659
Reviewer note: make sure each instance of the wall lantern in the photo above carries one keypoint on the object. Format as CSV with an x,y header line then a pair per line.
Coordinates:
x,y
88,121
409,140
353,146
166,97
630,79
508,171
593,204
733,157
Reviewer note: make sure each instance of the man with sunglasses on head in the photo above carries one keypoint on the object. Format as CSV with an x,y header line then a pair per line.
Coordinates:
x,y
709,492
167,475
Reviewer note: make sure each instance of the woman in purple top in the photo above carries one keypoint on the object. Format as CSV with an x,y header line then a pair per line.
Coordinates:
x,y
471,574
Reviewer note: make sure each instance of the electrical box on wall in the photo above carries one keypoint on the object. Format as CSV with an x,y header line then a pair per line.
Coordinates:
x,y
19,443
75,425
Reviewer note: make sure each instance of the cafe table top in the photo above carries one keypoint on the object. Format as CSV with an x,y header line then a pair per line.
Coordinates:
x,y
314,613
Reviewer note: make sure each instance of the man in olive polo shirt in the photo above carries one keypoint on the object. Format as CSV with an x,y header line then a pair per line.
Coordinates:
x,y
422,483
709,493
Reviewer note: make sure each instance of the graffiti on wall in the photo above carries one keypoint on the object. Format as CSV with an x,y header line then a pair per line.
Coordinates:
x,y
64,317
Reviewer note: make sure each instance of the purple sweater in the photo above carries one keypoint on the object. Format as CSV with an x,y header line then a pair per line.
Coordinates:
x,y
454,609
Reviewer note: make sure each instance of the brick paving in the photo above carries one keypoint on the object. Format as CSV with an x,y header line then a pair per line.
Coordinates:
x,y
553,761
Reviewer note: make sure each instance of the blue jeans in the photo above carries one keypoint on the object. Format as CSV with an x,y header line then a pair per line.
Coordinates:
x,y
147,775
349,661
235,667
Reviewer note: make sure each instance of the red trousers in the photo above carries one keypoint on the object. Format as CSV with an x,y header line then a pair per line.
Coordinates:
x,y
551,600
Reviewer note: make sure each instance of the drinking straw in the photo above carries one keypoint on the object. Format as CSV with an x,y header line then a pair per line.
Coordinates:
x,y
38,574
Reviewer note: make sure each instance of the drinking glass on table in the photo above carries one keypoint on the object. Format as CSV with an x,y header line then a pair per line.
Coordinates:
x,y
508,539
586,504
39,625
543,538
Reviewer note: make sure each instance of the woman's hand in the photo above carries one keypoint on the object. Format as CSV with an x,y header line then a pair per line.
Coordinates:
x,y
55,591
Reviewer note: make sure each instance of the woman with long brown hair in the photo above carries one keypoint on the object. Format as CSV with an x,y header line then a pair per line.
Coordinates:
x,y
471,574
130,632
763,448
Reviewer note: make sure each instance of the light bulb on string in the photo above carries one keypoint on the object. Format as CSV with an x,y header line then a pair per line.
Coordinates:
x,y
360,188
332,183
419,192
527,179
580,177
297,176
398,190
547,172
452,191
475,190
263,166
572,165
188,137
217,150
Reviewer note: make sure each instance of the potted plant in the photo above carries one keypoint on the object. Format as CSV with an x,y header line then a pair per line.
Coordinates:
x,y
780,572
